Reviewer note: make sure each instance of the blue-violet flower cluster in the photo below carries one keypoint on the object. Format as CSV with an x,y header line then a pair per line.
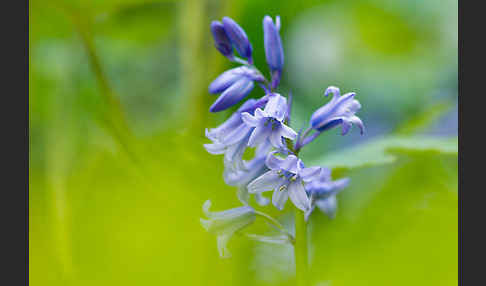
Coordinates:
x,y
262,124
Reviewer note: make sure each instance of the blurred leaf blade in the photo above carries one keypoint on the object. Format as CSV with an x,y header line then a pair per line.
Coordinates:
x,y
383,151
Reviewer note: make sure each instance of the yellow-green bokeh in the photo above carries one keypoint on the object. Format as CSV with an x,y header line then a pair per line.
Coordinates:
x,y
118,174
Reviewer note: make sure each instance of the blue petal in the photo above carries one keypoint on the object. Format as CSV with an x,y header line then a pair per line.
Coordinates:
x,y
279,197
225,80
287,132
273,45
266,182
290,164
328,206
326,125
221,39
276,139
215,148
238,37
311,173
249,119
320,189
276,107
273,162
332,89
259,135
298,196
232,95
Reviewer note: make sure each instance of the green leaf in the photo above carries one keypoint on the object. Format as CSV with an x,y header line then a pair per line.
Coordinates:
x,y
384,150
425,119
392,220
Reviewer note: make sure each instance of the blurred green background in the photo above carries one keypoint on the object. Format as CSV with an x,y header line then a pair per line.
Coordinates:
x,y
118,174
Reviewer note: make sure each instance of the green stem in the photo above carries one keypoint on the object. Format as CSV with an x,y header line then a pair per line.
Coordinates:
x,y
300,249
276,224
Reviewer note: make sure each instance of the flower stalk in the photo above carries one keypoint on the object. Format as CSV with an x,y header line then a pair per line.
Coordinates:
x,y
276,224
264,124
301,249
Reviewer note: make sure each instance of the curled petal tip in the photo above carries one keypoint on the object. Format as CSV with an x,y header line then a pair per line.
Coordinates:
x,y
332,89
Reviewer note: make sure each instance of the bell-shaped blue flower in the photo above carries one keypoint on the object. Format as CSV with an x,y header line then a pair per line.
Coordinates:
x,y
251,170
339,111
231,137
269,123
226,223
221,40
273,48
322,191
286,178
234,85
238,38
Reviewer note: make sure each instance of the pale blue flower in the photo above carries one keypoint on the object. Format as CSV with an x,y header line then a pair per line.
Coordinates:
x,y
286,178
339,111
322,191
225,224
251,170
268,123
231,137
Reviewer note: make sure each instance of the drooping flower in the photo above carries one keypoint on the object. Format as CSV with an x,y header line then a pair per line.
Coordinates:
x,y
221,40
238,38
251,170
231,137
226,223
268,123
322,191
339,111
273,48
286,178
234,85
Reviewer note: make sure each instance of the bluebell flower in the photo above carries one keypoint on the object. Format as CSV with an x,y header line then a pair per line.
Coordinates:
x,y
234,85
339,111
233,145
238,38
221,40
226,223
286,178
231,137
251,170
269,123
273,48
323,191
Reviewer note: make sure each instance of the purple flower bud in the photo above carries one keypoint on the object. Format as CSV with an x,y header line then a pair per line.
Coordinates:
x,y
238,38
221,39
229,77
234,84
273,45
233,94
